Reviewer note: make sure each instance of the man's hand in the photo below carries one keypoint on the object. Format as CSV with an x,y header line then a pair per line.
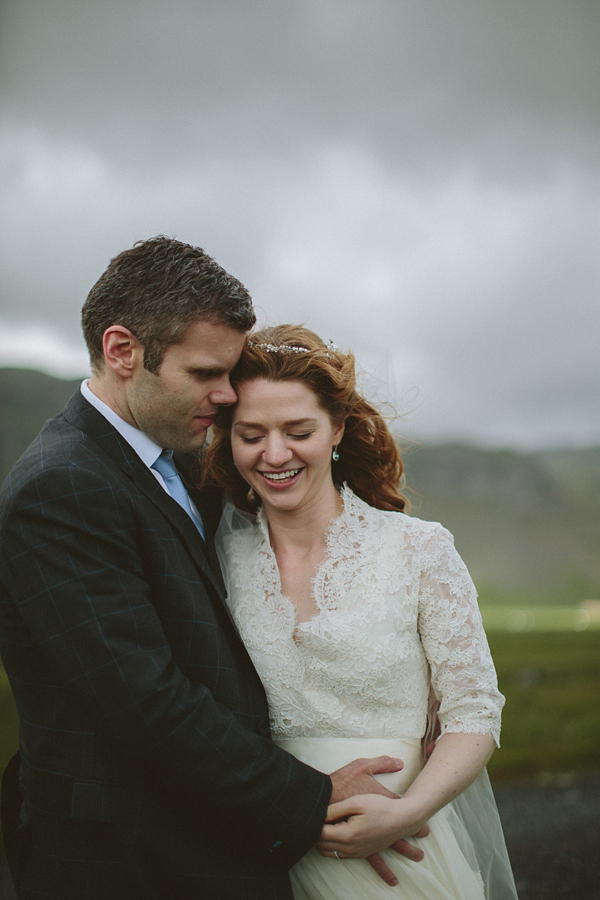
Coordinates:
x,y
404,848
429,748
357,778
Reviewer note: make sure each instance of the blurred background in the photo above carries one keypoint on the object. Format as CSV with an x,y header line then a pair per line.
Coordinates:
x,y
418,181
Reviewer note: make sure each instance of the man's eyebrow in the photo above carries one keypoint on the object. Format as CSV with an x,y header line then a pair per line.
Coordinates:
x,y
291,423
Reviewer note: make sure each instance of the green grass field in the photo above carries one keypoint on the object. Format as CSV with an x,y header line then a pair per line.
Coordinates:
x,y
540,618
551,724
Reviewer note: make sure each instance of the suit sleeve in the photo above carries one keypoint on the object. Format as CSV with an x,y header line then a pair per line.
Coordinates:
x,y
73,568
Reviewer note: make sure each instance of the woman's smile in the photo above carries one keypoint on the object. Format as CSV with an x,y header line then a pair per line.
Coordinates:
x,y
281,439
281,478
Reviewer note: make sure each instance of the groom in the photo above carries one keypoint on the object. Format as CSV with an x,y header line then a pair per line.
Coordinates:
x,y
146,770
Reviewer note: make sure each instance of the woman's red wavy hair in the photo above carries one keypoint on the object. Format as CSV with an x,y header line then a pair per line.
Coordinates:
x,y
369,460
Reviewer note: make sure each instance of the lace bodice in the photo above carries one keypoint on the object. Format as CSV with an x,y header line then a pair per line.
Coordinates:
x,y
396,608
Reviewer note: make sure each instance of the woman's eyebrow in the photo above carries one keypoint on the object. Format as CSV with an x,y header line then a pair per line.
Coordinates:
x,y
291,423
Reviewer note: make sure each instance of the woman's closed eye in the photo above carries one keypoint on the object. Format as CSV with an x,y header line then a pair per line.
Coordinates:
x,y
255,438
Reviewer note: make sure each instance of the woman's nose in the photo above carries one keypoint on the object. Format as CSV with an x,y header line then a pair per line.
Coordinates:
x,y
277,452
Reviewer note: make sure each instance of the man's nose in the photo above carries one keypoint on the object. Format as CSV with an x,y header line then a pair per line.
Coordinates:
x,y
224,394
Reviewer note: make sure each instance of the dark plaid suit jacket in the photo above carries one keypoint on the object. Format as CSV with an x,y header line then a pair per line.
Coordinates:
x,y
146,766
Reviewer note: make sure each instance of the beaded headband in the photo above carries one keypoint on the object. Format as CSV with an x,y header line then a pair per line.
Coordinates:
x,y
293,348
280,348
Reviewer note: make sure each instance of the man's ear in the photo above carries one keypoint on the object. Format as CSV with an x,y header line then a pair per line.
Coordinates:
x,y
123,352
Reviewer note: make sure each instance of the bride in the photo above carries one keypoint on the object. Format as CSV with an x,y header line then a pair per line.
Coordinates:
x,y
355,616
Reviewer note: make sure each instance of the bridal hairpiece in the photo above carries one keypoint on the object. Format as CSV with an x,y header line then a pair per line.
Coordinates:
x,y
294,348
280,348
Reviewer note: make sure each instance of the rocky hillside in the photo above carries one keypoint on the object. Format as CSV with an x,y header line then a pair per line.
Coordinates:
x,y
528,524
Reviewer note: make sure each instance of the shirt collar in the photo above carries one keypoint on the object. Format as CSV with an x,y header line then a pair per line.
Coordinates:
x,y
147,449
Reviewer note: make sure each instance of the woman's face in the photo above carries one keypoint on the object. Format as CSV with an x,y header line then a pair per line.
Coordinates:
x,y
282,440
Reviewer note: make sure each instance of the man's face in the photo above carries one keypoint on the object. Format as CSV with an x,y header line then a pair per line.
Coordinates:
x,y
176,406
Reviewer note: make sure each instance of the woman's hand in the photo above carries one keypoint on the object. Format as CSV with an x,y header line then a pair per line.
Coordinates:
x,y
365,824
355,779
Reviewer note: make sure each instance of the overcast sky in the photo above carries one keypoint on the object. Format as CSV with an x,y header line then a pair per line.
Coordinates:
x,y
416,180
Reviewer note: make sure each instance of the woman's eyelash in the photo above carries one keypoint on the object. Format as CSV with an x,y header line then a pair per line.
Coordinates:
x,y
256,438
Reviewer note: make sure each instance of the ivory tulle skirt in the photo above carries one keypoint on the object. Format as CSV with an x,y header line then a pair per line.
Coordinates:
x,y
457,865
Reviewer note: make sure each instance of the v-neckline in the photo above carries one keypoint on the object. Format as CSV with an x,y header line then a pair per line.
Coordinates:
x,y
303,626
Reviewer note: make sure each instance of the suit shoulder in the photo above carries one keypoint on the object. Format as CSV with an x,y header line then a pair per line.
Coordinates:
x,y
62,456
58,443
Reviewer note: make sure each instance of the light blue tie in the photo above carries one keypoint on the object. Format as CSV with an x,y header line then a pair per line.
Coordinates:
x,y
165,466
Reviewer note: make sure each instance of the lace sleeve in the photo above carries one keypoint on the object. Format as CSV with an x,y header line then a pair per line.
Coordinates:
x,y
451,630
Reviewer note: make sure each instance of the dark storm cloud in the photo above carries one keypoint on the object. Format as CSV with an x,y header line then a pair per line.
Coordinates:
x,y
419,180
416,81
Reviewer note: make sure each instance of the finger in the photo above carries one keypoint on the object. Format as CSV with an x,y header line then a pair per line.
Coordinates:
x,y
330,839
332,833
422,832
382,764
344,808
404,848
369,765
325,848
378,865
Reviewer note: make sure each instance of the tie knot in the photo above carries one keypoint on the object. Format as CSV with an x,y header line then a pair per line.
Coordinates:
x,y
165,465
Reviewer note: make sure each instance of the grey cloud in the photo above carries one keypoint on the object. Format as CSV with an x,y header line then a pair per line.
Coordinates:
x,y
419,180
424,82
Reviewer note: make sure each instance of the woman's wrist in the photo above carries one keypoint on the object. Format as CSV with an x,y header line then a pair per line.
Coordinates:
x,y
456,760
414,812
427,796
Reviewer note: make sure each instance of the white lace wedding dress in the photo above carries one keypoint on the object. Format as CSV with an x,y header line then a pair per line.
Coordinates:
x,y
397,612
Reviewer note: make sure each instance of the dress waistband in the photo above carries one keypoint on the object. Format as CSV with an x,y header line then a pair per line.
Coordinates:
x,y
330,753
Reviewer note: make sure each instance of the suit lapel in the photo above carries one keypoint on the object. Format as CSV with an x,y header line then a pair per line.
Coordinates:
x,y
208,500
181,522
83,416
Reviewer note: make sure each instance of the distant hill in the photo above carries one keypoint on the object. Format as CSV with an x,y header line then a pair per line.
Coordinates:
x,y
527,524
27,399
